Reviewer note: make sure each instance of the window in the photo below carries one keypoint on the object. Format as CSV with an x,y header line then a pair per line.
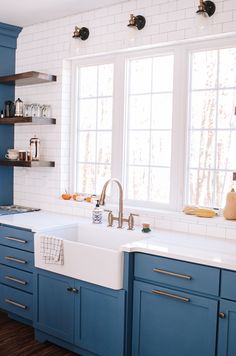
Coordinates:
x,y
94,135
148,148
162,121
212,131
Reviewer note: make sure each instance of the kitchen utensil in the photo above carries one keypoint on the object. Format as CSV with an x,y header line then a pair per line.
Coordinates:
x,y
12,154
19,107
22,155
9,108
34,148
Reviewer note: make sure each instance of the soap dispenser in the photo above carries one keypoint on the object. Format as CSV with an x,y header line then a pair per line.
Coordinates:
x,y
97,214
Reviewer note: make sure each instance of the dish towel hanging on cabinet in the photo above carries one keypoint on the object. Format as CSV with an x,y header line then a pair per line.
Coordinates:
x,y
52,249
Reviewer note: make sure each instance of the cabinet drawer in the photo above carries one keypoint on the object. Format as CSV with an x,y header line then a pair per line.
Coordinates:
x,y
16,258
17,238
16,278
16,302
228,285
177,273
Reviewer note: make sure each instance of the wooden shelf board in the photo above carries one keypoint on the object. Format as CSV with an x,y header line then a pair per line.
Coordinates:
x,y
28,78
27,120
29,164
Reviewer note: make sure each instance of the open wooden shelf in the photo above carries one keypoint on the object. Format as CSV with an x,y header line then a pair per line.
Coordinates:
x,y
28,78
29,164
27,120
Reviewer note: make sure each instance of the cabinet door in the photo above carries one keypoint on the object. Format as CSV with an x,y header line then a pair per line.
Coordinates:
x,y
227,329
99,319
168,322
55,301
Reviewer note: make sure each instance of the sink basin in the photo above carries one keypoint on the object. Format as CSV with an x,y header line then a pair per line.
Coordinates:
x,y
92,253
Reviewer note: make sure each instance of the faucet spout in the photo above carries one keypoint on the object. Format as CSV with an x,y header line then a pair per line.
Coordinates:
x,y
103,198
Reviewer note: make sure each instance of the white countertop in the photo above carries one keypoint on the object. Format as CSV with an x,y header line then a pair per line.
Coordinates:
x,y
182,246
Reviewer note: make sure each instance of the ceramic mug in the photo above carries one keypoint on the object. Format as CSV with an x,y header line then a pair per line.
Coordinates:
x,y
12,154
23,155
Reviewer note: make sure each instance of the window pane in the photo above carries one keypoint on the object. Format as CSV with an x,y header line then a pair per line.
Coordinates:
x,y
226,109
140,76
94,135
104,147
138,183
223,185
105,80
87,146
227,77
103,174
203,109
204,70
86,173
105,114
163,74
162,111
88,82
202,149
160,185
139,148
87,114
201,185
161,148
139,111
226,150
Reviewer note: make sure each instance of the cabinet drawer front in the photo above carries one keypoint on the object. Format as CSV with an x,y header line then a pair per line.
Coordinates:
x,y
228,285
16,278
16,302
17,238
16,258
177,273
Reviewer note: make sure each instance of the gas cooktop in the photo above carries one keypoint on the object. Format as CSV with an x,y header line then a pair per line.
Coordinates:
x,y
15,209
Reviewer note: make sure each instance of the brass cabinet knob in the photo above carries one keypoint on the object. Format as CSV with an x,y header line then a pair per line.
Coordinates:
x,y
221,315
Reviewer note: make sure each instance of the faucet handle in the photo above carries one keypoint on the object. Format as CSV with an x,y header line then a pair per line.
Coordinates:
x,y
110,217
131,221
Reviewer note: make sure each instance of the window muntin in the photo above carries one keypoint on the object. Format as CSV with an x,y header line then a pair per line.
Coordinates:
x,y
94,128
212,129
149,127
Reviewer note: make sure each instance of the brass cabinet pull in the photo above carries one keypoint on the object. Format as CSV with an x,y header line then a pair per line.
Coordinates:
x,y
221,315
173,274
18,305
13,259
174,296
15,239
73,290
13,279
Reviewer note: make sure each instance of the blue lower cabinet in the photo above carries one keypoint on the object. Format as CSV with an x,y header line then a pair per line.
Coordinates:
x,y
227,329
55,305
167,322
99,319
90,319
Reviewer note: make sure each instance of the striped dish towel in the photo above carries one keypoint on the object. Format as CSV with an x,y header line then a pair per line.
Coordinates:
x,y
52,250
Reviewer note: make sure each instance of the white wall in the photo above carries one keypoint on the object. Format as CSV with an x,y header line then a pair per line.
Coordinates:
x,y
45,47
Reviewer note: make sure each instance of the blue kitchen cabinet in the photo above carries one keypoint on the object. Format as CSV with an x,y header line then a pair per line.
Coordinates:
x,y
227,329
55,305
8,39
167,322
80,316
99,319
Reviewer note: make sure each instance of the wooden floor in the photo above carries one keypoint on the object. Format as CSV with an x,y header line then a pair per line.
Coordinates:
x,y
17,339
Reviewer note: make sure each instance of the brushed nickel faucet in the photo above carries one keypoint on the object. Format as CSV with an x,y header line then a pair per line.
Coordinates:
x,y
120,217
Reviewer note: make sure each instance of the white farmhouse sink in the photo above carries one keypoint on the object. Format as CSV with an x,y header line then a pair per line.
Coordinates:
x,y
91,253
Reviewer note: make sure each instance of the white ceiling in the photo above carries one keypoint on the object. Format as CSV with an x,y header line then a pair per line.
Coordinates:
x,y
29,12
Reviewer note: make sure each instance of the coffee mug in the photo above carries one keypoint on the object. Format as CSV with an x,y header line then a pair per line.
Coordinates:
x,y
12,154
23,155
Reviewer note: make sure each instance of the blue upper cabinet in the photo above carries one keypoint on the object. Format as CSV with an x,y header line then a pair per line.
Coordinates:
x,y
8,41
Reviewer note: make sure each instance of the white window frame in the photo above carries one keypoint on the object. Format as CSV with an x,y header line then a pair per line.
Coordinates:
x,y
181,109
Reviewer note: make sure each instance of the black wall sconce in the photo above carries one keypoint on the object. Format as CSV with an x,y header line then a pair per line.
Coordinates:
x,y
138,21
82,33
206,8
